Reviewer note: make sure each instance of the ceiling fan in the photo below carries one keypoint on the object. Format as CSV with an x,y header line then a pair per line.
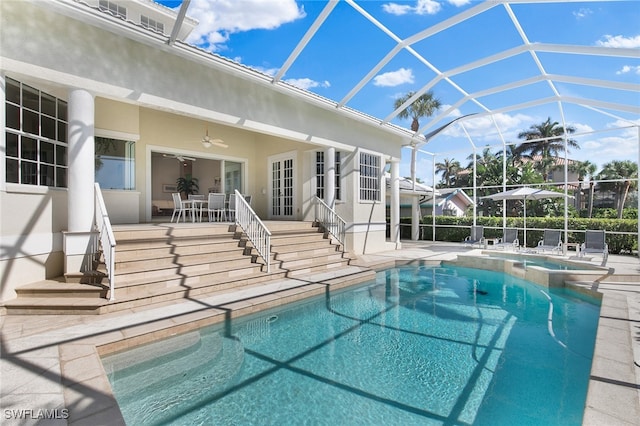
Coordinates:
x,y
207,141
180,158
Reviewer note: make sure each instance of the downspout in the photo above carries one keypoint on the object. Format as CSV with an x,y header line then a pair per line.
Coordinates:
x,y
415,205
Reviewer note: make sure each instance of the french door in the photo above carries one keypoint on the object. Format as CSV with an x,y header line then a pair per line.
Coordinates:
x,y
282,187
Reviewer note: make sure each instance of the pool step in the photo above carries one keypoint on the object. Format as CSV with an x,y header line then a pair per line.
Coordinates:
x,y
627,283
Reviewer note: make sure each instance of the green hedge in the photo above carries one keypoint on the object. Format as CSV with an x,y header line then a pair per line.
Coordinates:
x,y
450,228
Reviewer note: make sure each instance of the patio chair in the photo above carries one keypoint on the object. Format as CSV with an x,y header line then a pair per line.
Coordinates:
x,y
551,241
179,207
231,208
476,237
595,242
216,207
509,239
200,198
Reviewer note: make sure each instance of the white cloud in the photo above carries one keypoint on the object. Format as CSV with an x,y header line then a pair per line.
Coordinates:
x,y
268,71
219,18
620,41
602,148
483,129
394,78
629,69
427,7
307,83
396,9
459,3
582,13
422,7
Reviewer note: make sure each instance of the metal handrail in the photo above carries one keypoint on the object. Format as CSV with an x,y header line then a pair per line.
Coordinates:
x,y
330,221
255,230
107,240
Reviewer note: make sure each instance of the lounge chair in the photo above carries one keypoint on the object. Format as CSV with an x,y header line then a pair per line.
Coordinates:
x,y
595,242
551,241
509,239
476,237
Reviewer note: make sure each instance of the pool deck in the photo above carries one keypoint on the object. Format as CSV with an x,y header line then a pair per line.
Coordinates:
x,y
51,362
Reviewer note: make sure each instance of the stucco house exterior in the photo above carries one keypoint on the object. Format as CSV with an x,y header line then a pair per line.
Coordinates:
x,y
89,95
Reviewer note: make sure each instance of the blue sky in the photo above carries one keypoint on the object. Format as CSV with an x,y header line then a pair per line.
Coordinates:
x,y
262,34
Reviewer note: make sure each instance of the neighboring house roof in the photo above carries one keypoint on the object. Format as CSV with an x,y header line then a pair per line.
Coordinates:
x,y
449,194
557,161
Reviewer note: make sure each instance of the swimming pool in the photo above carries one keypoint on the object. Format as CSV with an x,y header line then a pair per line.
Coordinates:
x,y
421,345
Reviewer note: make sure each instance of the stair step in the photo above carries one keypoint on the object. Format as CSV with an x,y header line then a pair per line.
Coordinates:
x,y
151,251
168,231
181,275
305,261
51,288
292,254
177,261
55,306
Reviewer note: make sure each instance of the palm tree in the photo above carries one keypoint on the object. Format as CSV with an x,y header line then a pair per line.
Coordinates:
x,y
449,168
585,169
548,142
424,106
620,172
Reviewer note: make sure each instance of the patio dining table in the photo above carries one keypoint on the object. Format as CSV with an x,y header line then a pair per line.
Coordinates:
x,y
197,205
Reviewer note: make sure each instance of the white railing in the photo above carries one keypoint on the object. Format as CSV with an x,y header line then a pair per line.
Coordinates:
x,y
253,227
330,221
106,239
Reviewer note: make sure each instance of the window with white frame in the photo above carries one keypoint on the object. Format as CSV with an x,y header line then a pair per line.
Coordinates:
x,y
152,24
115,163
113,8
369,177
36,136
320,176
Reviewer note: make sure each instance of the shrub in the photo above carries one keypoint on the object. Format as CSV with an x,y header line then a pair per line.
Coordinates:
x,y
455,229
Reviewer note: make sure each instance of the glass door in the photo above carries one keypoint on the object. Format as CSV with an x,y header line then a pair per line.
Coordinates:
x,y
282,190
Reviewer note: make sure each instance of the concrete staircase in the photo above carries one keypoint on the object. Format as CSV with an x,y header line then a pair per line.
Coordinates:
x,y
163,263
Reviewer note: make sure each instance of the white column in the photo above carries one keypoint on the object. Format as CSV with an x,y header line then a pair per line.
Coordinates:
x,y
330,176
395,202
80,201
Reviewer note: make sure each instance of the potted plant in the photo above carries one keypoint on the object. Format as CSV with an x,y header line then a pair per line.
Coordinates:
x,y
187,185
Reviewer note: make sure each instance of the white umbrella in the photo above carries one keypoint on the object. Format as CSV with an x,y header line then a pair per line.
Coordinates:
x,y
525,193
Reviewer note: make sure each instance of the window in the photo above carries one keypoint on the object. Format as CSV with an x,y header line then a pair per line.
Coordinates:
x,y
115,163
36,136
320,174
320,178
369,177
152,24
113,8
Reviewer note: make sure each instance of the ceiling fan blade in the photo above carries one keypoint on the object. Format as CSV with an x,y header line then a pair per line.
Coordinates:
x,y
219,143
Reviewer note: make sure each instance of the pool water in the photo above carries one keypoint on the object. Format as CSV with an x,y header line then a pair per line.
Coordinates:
x,y
421,345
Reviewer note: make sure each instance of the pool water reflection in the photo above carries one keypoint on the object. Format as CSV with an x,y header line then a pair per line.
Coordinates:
x,y
421,345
